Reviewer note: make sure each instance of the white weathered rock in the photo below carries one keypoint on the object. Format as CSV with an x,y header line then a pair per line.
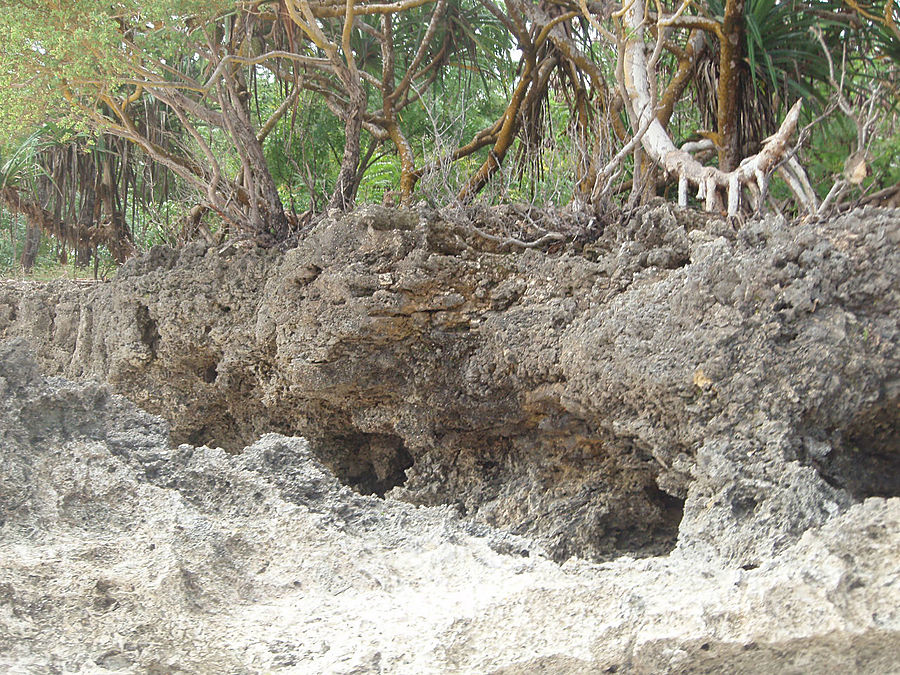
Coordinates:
x,y
120,555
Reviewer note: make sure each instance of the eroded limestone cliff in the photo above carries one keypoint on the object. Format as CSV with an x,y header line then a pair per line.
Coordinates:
x,y
668,380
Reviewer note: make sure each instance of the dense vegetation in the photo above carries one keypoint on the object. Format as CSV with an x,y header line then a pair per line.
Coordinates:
x,y
127,123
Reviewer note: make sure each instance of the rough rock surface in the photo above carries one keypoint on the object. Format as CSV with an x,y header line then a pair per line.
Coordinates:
x,y
119,554
668,375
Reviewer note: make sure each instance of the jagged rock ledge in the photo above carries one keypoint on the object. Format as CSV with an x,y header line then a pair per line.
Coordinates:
x,y
666,381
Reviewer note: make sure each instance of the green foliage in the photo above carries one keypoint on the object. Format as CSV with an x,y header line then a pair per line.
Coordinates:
x,y
58,56
784,58
382,177
781,50
835,140
66,66
10,243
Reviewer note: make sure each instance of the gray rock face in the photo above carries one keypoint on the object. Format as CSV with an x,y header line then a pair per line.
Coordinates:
x,y
669,380
119,554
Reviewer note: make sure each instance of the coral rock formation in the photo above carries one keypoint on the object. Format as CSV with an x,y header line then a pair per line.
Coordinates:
x,y
121,554
665,380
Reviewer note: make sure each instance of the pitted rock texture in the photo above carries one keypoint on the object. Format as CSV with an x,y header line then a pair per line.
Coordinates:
x,y
120,554
591,396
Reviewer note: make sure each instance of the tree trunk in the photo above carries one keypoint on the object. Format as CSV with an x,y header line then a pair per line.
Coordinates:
x,y
655,140
37,216
90,210
31,247
344,195
266,219
731,52
404,149
117,237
